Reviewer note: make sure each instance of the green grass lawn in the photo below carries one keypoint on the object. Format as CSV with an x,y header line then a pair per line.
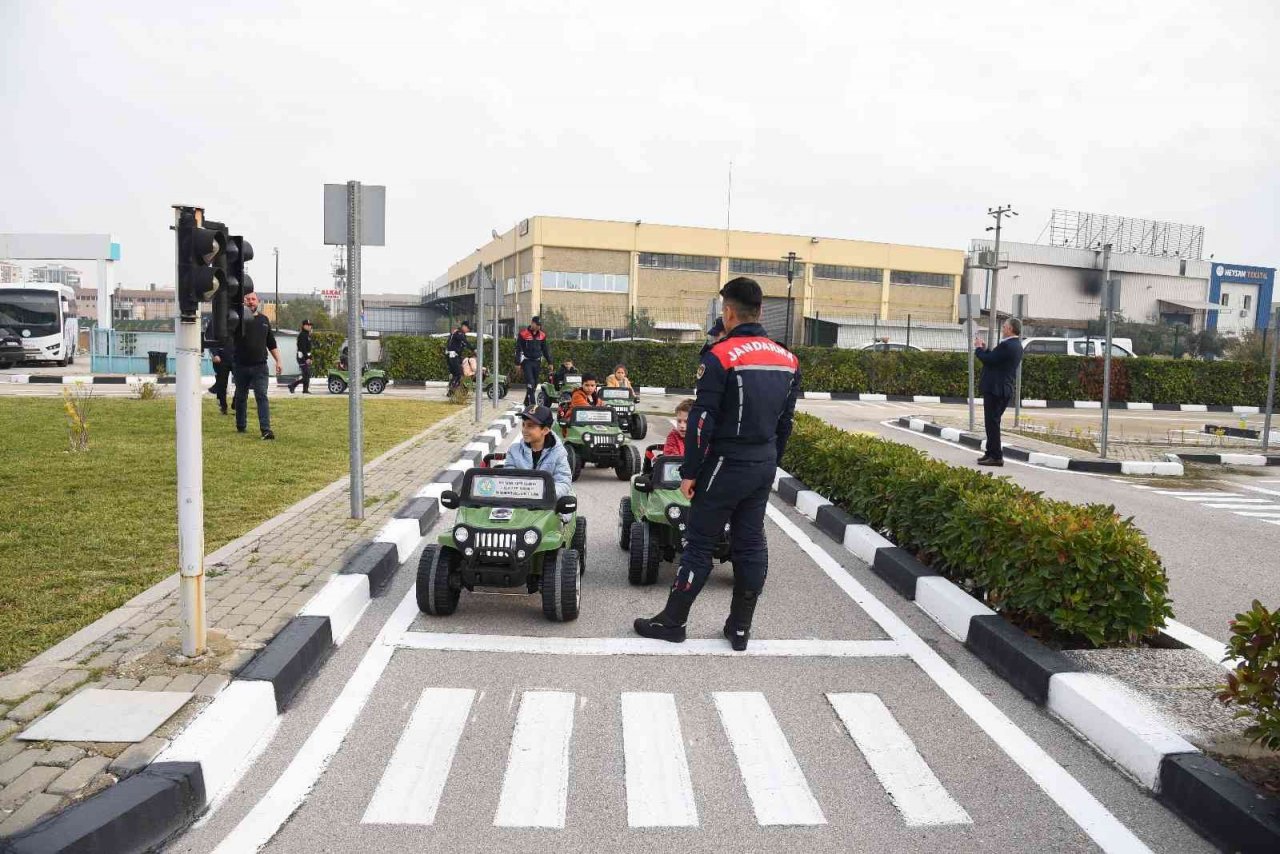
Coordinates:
x,y
83,533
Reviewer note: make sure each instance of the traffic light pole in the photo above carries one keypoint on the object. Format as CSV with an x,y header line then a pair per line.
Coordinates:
x,y
355,352
1271,382
480,277
1108,302
188,429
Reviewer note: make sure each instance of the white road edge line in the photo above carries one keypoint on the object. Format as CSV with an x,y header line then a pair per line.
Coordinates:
x,y
1007,461
659,787
779,793
909,781
1076,801
535,788
1211,648
462,642
413,782
290,789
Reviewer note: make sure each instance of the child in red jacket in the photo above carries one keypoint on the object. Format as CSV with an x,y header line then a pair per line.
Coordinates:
x,y
674,446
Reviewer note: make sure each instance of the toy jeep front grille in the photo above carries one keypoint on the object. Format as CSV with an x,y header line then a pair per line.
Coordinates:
x,y
496,543
604,438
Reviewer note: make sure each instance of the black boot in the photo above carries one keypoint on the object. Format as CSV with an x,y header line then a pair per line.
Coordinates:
x,y
668,625
738,627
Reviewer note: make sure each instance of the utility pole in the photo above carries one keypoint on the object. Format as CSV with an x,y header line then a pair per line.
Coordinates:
x,y
275,250
993,326
1020,311
1109,302
791,259
355,351
1271,382
480,280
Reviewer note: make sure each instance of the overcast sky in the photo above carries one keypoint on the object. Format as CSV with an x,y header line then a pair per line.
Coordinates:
x,y
897,122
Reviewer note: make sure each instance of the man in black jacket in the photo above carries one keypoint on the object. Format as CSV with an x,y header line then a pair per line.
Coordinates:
x,y
999,377
304,360
252,347
454,348
531,349
222,354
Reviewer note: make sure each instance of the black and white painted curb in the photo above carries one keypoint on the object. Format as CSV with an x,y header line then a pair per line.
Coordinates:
x,y
203,762
1170,467
1230,459
1213,799
168,379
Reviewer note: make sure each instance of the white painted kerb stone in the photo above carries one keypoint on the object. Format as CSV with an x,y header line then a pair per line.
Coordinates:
x,y
404,533
1052,461
1243,459
226,732
808,502
863,542
948,605
343,600
951,434
1101,710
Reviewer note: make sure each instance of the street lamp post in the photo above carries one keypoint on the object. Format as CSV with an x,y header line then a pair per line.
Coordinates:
x,y
275,250
791,259
999,215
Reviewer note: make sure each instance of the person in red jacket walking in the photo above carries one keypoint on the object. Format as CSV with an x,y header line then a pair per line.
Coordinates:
x,y
674,446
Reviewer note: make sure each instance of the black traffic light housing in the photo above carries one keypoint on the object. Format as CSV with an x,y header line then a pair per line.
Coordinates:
x,y
239,251
198,247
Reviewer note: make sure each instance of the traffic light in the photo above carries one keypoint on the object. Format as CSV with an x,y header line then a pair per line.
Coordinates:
x,y
239,252
198,281
221,262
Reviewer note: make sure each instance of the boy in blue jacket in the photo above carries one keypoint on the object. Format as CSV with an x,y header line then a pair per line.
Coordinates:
x,y
540,450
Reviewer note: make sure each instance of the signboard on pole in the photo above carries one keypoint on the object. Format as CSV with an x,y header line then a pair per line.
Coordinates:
x,y
373,215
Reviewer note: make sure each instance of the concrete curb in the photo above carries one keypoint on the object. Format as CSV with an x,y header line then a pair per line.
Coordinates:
x,y
144,810
1219,803
1226,459
1169,467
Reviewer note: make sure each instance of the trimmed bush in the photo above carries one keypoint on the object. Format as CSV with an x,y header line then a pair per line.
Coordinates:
x,y
1254,686
1066,572
325,349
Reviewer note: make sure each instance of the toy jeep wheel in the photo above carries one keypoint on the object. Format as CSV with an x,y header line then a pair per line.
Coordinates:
x,y
436,592
561,586
579,543
639,426
543,399
628,462
644,556
376,385
575,461
336,385
628,518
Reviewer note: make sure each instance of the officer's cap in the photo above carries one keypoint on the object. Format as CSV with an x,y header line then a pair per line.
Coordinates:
x,y
539,415
743,291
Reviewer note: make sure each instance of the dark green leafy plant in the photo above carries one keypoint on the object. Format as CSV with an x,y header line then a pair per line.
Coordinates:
x,y
1075,574
1254,686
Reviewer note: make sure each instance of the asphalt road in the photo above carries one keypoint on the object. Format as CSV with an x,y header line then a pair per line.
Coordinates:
x,y
854,724
1218,533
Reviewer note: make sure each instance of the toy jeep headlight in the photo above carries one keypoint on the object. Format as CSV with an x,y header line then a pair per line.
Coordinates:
x,y
461,534
531,537
673,512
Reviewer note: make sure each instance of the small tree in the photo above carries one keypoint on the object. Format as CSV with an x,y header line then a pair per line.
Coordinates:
x,y
555,323
642,324
1206,342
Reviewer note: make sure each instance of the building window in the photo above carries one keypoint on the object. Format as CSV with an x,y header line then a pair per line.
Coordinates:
x,y
753,267
1248,302
584,333
663,261
928,280
526,281
848,274
1226,299
607,283
511,285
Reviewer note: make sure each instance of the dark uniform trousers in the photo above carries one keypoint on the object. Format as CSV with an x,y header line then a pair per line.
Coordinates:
x,y
532,370
455,371
993,407
736,493
221,373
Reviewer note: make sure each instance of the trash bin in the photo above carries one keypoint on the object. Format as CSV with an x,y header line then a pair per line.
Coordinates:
x,y
157,363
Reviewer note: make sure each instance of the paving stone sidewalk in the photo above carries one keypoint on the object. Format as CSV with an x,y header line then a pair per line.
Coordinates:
x,y
256,585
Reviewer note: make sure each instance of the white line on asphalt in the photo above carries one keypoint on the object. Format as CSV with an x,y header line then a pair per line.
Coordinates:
x,y
292,786
1193,496
1066,791
535,790
1213,649
975,452
776,785
410,789
1260,489
1262,514
659,788
910,782
460,642
1239,505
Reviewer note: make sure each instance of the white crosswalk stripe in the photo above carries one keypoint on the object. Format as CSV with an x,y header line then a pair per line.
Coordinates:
x,y
897,764
410,789
659,789
535,789
776,785
1245,506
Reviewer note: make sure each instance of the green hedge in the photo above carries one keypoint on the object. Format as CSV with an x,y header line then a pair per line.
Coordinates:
x,y
1067,572
830,369
325,349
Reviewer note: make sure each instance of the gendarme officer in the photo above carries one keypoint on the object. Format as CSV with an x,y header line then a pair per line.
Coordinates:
x,y
738,429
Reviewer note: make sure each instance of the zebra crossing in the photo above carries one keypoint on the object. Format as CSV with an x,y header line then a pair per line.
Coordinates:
x,y
1249,505
535,785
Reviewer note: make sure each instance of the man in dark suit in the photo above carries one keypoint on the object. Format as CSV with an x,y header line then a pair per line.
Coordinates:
x,y
999,377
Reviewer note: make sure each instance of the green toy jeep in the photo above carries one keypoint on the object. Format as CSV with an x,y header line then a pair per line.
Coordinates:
x,y
592,435
551,397
623,402
510,531
654,518
375,380
469,383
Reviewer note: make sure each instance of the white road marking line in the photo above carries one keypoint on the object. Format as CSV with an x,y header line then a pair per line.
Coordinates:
x,y
776,785
1260,514
461,642
1260,489
1213,649
410,789
535,790
908,779
292,786
1108,832
1194,496
659,788
1240,505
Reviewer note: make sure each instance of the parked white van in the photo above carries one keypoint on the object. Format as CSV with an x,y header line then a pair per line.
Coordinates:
x,y
1122,347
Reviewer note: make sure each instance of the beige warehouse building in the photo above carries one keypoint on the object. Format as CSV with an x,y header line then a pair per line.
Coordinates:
x,y
604,279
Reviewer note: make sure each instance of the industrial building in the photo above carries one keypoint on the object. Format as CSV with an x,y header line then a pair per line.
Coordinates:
x,y
1161,277
609,279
